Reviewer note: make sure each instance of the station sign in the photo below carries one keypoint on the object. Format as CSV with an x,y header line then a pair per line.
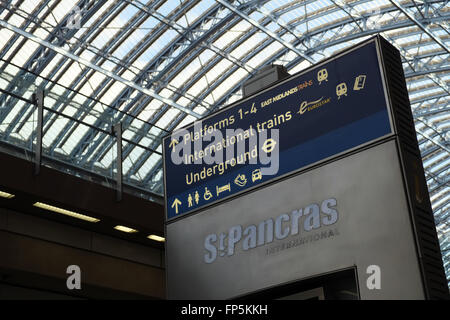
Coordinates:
x,y
317,114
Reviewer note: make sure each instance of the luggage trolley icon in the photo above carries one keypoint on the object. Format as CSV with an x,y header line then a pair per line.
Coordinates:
x,y
322,75
341,89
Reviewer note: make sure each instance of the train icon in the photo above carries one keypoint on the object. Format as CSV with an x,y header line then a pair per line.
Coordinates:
x,y
341,89
322,75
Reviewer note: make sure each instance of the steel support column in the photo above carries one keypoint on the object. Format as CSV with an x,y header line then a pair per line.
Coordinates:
x,y
117,131
38,100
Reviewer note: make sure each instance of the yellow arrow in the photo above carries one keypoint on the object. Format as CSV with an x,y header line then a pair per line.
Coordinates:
x,y
175,204
173,144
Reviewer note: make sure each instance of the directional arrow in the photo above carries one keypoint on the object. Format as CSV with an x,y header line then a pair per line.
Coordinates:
x,y
173,144
175,204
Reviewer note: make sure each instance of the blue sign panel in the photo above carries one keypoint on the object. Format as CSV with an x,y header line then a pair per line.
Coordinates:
x,y
322,112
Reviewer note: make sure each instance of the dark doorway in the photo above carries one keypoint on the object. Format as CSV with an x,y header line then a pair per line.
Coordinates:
x,y
340,285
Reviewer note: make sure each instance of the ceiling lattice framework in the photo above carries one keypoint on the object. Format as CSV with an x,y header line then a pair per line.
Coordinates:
x,y
158,65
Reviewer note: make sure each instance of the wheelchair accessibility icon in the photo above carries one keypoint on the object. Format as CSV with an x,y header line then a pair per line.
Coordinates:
x,y
341,89
322,75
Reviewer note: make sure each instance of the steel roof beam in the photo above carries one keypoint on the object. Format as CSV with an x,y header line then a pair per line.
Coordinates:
x,y
427,103
433,140
211,31
425,152
440,171
26,25
428,98
128,148
426,72
421,26
89,136
432,111
40,54
435,78
445,204
271,34
107,73
110,113
152,64
133,54
51,54
442,217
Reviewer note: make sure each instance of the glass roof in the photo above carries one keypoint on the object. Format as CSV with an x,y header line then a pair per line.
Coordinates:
x,y
157,65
